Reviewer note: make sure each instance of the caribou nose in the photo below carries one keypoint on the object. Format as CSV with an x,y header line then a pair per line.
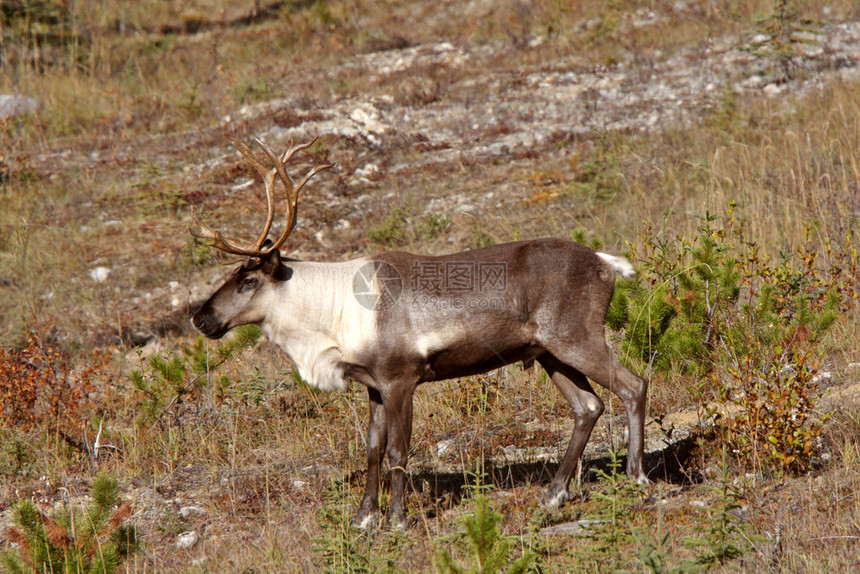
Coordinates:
x,y
197,322
208,325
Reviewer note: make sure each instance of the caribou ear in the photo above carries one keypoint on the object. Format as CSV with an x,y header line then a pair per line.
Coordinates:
x,y
271,261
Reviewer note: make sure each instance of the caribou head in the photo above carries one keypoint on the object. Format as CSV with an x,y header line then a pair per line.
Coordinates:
x,y
243,298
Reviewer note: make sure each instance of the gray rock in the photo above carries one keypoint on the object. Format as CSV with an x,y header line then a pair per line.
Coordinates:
x,y
192,512
576,528
11,106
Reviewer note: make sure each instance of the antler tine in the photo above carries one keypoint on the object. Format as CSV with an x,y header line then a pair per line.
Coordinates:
x,y
288,153
312,173
281,161
218,241
291,189
294,204
292,196
268,180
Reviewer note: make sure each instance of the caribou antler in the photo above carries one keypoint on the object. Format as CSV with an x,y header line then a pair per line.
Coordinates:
x,y
256,250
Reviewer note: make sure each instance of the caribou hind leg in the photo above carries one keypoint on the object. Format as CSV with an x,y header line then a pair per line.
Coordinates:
x,y
587,407
595,360
607,371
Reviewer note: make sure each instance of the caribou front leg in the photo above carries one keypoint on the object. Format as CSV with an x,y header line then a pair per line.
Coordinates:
x,y
377,439
398,412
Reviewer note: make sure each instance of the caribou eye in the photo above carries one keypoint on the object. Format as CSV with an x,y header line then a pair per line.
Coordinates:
x,y
247,283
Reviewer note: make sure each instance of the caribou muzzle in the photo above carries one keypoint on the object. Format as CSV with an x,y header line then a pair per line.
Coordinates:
x,y
209,325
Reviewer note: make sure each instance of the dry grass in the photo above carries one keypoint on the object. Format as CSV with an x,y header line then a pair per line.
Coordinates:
x,y
129,136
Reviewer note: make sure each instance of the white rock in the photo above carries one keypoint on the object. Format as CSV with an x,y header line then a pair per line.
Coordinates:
x,y
100,274
787,372
469,209
771,90
824,377
369,170
578,527
754,82
187,539
443,446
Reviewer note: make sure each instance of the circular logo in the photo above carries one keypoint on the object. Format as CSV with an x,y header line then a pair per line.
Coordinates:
x,y
377,285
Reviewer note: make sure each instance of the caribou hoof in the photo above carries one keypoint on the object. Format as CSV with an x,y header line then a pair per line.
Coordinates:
x,y
555,500
399,523
363,521
640,477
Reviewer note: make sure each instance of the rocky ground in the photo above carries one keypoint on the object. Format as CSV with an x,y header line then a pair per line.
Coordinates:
x,y
399,127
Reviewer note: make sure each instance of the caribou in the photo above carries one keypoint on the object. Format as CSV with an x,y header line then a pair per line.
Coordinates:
x,y
393,320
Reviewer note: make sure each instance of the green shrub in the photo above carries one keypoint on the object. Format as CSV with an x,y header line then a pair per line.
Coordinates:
x,y
780,36
776,422
609,528
94,541
346,549
670,320
712,307
597,172
481,239
392,231
434,225
164,385
722,535
252,91
489,549
168,380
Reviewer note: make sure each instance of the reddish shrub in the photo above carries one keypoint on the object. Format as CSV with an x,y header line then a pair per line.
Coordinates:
x,y
38,384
